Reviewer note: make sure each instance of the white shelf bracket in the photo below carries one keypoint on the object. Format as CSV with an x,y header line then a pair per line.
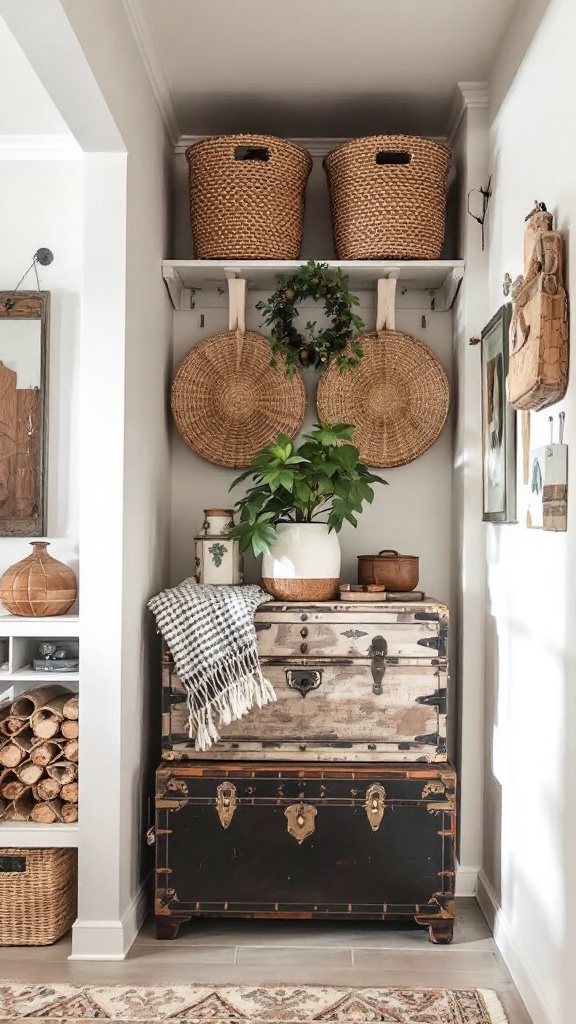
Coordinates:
x,y
446,295
182,297
386,302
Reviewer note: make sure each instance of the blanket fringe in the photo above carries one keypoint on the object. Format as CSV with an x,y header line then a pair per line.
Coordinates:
x,y
246,686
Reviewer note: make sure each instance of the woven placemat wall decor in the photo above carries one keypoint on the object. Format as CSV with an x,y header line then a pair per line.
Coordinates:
x,y
397,398
228,401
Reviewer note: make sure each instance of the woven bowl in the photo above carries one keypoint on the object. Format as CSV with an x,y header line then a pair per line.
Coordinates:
x,y
228,401
397,398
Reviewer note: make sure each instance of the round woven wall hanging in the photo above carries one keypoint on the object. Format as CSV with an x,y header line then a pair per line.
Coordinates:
x,y
397,398
228,401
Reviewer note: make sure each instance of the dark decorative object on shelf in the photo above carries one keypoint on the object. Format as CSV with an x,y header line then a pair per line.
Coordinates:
x,y
314,281
54,659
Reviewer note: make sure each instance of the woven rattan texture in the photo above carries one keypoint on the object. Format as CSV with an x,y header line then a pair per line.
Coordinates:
x,y
38,904
228,401
247,209
388,211
397,398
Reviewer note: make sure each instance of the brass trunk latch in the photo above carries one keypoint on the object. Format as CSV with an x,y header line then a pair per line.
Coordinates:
x,y
301,823
377,652
226,802
375,805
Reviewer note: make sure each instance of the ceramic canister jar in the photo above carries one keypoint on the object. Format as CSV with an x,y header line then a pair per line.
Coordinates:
x,y
217,557
217,521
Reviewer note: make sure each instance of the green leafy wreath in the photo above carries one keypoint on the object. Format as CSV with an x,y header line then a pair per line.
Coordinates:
x,y
314,281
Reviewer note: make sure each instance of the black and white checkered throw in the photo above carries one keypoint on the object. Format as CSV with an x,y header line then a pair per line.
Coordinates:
x,y
211,635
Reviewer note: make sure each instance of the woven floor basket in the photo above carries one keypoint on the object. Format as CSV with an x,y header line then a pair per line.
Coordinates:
x,y
247,197
395,209
397,398
37,896
228,401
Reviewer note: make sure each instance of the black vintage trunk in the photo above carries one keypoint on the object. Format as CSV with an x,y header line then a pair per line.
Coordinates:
x,y
285,840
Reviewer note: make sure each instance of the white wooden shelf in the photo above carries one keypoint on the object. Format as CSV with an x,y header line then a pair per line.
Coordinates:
x,y
43,626
29,675
185,277
25,834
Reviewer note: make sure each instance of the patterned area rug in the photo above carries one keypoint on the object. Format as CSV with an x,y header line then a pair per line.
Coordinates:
x,y
198,1004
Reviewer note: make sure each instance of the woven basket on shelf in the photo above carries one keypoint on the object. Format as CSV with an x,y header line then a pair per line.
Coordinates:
x,y
37,896
228,401
247,197
388,197
397,398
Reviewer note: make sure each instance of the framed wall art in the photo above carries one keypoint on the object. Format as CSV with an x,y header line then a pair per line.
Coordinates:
x,y
498,424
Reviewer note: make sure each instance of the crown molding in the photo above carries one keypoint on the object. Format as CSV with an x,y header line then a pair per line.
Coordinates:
x,y
39,147
144,39
316,147
468,95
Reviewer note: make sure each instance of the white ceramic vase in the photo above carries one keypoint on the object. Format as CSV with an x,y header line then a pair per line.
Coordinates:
x,y
304,563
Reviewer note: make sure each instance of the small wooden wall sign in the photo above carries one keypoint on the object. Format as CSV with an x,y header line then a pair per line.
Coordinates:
x,y
548,482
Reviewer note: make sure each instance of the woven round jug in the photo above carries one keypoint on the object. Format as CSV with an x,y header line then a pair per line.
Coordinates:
x,y
228,401
38,585
388,197
247,197
397,398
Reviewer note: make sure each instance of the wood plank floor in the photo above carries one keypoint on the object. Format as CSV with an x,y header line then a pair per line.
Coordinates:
x,y
289,952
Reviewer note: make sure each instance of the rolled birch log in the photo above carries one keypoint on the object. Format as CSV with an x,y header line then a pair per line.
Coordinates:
x,y
26,705
69,729
45,751
11,754
11,787
70,709
63,771
69,792
46,720
69,813
70,750
3,806
47,812
29,772
24,739
46,789
21,808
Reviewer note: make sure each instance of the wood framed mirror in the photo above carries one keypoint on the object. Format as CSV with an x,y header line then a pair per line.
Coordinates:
x,y
24,337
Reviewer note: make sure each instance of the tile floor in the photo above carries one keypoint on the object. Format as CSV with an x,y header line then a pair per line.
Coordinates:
x,y
299,952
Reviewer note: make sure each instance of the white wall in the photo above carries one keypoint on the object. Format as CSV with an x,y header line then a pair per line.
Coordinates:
x,y
412,514
41,204
529,880
470,145
125,339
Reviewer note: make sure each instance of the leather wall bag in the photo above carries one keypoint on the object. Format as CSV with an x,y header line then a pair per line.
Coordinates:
x,y
538,361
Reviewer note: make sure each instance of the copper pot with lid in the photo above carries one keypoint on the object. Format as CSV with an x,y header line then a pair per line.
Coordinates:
x,y
389,569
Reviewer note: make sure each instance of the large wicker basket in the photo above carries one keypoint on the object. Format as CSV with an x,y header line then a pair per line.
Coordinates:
x,y
37,896
247,197
388,197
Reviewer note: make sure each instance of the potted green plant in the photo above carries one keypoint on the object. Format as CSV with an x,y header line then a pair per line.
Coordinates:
x,y
292,513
